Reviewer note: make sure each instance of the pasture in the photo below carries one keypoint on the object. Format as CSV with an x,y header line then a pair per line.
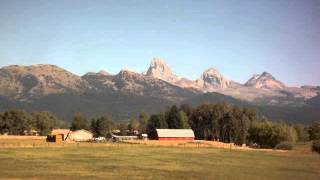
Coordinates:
x,y
139,161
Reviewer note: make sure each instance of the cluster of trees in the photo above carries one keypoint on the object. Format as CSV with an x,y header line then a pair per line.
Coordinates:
x,y
269,134
314,131
172,118
18,122
231,124
221,122
102,126
209,121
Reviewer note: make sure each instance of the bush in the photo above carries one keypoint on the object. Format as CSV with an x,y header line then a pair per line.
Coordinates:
x,y
284,146
269,134
316,146
314,131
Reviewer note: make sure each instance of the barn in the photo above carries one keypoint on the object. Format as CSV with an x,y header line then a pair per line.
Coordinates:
x,y
175,134
80,135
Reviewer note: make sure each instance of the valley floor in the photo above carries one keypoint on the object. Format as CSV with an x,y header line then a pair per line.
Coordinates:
x,y
136,161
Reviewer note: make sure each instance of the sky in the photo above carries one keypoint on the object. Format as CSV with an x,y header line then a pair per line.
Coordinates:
x,y
238,37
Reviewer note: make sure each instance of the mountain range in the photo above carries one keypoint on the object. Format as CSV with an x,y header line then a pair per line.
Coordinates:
x,y
260,88
49,87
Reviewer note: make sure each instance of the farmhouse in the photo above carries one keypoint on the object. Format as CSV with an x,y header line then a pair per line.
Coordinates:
x,y
80,135
175,134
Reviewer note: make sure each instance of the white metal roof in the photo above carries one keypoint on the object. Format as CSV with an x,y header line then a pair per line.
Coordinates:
x,y
80,131
175,133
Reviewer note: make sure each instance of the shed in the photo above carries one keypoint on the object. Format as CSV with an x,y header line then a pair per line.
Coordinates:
x,y
143,136
80,135
63,133
175,134
55,138
123,138
58,135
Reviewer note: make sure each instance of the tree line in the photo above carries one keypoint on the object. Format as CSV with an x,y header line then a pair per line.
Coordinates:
x,y
19,122
220,122
231,124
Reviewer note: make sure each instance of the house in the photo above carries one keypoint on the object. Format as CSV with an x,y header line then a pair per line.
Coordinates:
x,y
175,134
80,135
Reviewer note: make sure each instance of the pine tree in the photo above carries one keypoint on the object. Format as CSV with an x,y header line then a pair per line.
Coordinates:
x,y
79,122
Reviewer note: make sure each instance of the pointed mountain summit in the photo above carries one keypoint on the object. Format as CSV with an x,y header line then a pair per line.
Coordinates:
x,y
254,77
209,81
264,81
160,69
212,79
127,74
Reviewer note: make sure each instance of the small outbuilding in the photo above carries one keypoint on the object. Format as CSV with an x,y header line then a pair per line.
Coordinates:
x,y
123,138
64,133
175,134
143,136
58,135
80,135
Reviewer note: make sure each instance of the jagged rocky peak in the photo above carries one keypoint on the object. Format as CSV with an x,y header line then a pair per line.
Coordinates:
x,y
267,75
254,77
265,81
212,72
160,69
212,79
126,73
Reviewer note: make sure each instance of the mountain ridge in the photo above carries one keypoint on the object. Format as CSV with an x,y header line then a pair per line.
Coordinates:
x,y
257,89
24,82
49,87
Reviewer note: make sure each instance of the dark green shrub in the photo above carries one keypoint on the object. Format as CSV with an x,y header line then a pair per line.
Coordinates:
x,y
284,146
316,146
314,131
269,134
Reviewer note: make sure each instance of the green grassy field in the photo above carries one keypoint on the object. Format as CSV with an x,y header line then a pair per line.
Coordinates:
x,y
142,162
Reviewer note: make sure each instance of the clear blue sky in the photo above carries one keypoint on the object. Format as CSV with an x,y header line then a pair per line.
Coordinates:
x,y
239,38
